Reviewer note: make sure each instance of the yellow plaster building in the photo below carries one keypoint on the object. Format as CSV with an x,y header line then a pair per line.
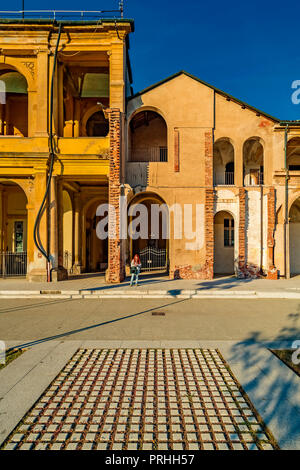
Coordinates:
x,y
66,98
90,81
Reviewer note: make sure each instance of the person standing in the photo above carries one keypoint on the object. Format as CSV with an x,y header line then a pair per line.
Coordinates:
x,y
135,269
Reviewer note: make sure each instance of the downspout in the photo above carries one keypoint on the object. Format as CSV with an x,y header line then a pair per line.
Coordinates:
x,y
286,211
36,236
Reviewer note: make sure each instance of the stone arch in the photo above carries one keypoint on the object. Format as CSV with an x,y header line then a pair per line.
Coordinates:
x,y
294,236
68,230
293,154
87,115
147,136
24,70
155,245
253,161
223,161
14,102
14,229
224,242
95,251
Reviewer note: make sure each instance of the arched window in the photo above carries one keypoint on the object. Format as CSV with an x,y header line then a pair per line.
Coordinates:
x,y
253,159
97,125
13,104
149,138
223,162
293,154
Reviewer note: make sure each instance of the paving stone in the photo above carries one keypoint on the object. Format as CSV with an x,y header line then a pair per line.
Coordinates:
x,y
73,401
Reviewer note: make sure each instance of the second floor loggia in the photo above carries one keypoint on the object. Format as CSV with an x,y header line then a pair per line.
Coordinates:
x,y
224,156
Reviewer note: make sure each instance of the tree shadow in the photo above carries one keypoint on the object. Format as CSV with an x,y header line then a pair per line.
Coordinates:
x,y
271,385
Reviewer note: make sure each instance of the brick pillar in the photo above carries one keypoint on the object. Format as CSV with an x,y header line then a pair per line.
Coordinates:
x,y
209,206
209,233
272,271
209,159
242,230
116,268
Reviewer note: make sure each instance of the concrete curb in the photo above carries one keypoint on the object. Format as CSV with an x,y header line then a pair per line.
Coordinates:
x,y
148,294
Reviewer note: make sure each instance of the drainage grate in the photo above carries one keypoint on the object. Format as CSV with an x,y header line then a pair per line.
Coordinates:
x,y
158,314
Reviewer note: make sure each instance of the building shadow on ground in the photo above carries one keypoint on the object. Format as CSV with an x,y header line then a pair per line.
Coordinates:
x,y
271,384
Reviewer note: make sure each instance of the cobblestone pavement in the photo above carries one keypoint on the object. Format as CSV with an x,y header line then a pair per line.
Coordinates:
x,y
143,399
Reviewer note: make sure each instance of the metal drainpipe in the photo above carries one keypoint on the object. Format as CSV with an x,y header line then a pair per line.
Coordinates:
x,y
286,212
36,236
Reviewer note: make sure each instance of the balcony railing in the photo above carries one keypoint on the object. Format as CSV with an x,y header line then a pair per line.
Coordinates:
x,y
149,154
254,179
225,179
13,264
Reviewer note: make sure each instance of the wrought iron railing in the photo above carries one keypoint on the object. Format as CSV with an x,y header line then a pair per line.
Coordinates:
x,y
226,179
13,264
153,259
149,154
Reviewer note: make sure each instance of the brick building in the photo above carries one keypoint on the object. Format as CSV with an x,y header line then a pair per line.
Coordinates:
x,y
227,171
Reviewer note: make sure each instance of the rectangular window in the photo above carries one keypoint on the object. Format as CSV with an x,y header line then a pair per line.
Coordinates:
x,y
228,232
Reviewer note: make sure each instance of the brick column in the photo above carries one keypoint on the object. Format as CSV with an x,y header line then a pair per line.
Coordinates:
x,y
209,206
116,268
242,231
209,159
272,271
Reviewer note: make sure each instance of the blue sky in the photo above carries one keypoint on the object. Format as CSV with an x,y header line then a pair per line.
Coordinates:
x,y
248,49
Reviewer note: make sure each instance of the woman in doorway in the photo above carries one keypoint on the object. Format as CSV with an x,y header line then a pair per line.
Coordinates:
x,y
135,270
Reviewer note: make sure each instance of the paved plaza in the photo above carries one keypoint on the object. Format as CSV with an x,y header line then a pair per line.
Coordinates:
x,y
143,399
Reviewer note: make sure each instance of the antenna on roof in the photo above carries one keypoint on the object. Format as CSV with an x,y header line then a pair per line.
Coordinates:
x,y
121,8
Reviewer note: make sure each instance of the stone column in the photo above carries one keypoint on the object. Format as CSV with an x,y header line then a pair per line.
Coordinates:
x,y
58,272
42,94
1,219
116,76
37,269
116,268
238,165
77,267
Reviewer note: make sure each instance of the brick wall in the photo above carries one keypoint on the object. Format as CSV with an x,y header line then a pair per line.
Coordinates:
x,y
206,270
272,271
242,232
116,268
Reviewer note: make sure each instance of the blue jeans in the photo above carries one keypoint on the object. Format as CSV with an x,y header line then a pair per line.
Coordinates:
x,y
135,277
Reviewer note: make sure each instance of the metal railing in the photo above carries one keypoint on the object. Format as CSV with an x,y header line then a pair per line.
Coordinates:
x,y
254,179
149,154
226,179
153,259
13,264
63,14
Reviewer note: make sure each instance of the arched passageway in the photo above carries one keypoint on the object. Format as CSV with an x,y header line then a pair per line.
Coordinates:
x,y
148,139
293,154
253,161
224,241
13,230
68,232
96,250
223,162
13,104
294,229
149,232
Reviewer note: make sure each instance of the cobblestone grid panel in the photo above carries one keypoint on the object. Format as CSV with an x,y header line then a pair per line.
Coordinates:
x,y
132,399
